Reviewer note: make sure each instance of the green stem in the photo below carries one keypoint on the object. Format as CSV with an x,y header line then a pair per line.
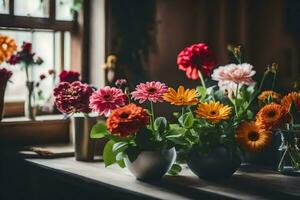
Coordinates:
x,y
202,79
262,81
182,111
236,97
152,115
27,72
274,79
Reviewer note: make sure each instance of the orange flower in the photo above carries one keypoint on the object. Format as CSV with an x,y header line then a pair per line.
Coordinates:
x,y
253,138
265,95
7,47
182,97
272,116
127,120
291,97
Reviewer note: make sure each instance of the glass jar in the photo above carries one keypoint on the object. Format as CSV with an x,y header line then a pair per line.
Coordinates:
x,y
289,163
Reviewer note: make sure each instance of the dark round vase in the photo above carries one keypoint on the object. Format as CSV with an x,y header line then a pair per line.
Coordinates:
x,y
218,164
152,165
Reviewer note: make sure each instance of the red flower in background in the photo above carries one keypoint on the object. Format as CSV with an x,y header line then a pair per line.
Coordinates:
x,y
42,76
73,97
27,46
69,76
194,58
4,75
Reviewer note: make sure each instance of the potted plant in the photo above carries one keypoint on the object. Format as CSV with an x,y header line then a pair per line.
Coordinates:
x,y
72,99
136,136
26,57
215,122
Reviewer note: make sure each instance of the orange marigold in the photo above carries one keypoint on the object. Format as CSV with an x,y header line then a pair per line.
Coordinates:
x,y
127,120
7,47
275,97
272,116
253,138
289,98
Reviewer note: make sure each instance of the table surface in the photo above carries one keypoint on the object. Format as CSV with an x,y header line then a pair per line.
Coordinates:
x,y
247,183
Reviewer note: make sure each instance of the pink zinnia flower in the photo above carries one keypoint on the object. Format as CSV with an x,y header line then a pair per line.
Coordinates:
x,y
120,82
106,99
194,58
73,97
151,91
232,75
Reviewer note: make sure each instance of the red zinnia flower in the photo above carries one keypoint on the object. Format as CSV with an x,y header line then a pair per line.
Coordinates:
x,y
73,97
127,120
69,76
194,58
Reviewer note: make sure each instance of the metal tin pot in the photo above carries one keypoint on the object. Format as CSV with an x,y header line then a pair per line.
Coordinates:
x,y
84,146
152,165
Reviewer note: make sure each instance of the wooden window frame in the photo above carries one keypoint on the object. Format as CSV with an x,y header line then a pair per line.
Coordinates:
x,y
79,29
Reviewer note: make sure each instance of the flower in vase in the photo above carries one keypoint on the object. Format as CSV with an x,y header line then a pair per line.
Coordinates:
x,y
69,76
181,97
194,58
7,47
120,82
290,98
14,59
231,76
269,94
106,99
213,111
73,97
151,91
4,75
251,137
51,72
127,120
272,116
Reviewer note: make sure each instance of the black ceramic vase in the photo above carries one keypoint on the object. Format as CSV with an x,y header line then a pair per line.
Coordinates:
x,y
220,163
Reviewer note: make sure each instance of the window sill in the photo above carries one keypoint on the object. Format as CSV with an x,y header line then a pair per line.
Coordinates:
x,y
19,131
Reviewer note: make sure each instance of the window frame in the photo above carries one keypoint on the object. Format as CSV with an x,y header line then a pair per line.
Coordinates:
x,y
77,28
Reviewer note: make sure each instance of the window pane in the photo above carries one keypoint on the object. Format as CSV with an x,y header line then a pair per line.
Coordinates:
x,y
44,44
4,7
32,8
63,9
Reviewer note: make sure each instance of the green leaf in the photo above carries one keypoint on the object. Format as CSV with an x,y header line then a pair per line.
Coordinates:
x,y
132,153
178,139
120,156
99,130
160,124
109,156
121,163
201,91
175,169
187,120
119,146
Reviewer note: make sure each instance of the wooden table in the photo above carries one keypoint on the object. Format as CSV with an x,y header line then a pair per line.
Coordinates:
x,y
247,183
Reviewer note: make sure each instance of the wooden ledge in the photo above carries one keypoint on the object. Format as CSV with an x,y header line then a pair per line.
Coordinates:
x,y
46,129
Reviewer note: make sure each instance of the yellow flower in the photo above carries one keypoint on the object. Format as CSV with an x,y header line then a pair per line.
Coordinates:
x,y
213,111
7,47
269,94
182,97
252,137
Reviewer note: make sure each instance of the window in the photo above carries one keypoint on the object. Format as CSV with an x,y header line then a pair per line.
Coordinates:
x,y
47,24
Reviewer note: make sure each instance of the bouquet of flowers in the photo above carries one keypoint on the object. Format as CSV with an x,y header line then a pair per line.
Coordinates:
x,y
135,134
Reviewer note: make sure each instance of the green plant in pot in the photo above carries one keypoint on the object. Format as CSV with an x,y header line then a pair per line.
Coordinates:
x,y
137,139
215,121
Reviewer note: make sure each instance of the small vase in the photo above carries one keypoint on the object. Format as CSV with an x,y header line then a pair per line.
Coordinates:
x,y
84,145
220,163
289,163
30,108
151,165
2,92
